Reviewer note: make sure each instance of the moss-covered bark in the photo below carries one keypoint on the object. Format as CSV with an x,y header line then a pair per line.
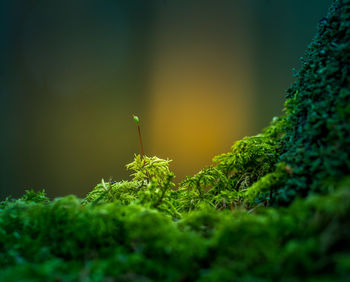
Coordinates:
x,y
317,141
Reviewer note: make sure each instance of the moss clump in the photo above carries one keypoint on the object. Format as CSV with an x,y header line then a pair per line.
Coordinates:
x,y
63,240
216,225
317,139
151,187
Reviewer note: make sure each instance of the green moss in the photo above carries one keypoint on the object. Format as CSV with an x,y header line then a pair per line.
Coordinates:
x,y
275,208
299,152
263,189
64,240
312,140
317,139
151,187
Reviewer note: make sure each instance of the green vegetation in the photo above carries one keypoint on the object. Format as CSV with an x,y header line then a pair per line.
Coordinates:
x,y
275,208
64,240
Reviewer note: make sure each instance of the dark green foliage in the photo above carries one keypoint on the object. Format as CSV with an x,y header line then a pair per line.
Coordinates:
x,y
37,197
29,196
264,187
67,241
275,208
317,139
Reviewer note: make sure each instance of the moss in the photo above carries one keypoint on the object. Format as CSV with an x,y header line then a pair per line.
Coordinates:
x,y
263,189
317,139
309,146
275,208
299,152
64,240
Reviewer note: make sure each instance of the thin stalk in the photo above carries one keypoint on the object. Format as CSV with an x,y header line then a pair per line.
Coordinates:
x,y
137,120
140,137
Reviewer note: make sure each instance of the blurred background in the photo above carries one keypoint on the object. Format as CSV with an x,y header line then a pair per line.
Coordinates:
x,y
201,74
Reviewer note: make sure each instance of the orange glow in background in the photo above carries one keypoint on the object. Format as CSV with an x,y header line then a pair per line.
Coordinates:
x,y
201,90
201,114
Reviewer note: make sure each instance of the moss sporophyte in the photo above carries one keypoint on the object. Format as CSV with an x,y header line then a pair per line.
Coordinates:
x,y
137,120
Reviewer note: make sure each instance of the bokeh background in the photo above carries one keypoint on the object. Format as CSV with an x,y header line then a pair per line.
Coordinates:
x,y
201,74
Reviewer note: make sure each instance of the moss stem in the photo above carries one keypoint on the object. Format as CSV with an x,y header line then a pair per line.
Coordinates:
x,y
139,130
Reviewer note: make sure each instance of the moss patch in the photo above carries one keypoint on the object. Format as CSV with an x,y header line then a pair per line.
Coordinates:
x,y
274,208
